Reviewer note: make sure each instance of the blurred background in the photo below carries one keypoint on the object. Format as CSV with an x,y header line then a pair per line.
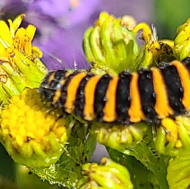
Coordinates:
x,y
60,28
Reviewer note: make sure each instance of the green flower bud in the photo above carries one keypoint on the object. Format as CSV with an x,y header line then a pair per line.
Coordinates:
x,y
182,41
110,45
178,172
173,136
108,175
120,137
33,135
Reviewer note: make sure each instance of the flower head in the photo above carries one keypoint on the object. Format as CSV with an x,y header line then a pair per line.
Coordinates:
x,y
110,45
120,137
13,39
32,135
182,41
107,175
20,65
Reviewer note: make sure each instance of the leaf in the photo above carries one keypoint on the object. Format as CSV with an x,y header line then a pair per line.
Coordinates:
x,y
179,172
68,170
145,162
141,177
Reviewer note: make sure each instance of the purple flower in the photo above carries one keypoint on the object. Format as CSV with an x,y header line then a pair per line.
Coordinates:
x,y
66,13
63,29
64,49
51,8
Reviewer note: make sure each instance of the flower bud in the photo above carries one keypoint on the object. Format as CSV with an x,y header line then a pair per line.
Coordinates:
x,y
178,172
106,175
120,137
173,136
32,133
182,41
110,45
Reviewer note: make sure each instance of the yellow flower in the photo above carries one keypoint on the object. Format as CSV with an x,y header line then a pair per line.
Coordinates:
x,y
32,133
13,39
20,65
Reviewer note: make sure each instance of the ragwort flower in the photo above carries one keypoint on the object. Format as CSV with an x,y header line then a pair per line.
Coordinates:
x,y
15,39
20,66
32,134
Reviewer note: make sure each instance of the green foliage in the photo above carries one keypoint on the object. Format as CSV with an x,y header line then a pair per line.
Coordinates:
x,y
147,168
178,172
169,14
68,170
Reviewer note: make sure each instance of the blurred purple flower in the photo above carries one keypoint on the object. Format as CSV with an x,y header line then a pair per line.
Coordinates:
x,y
61,24
66,13
62,44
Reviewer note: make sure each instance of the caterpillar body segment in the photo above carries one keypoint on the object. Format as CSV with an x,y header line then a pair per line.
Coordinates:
x,y
146,95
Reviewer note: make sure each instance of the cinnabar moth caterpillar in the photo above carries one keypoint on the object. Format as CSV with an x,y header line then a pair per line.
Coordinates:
x,y
148,94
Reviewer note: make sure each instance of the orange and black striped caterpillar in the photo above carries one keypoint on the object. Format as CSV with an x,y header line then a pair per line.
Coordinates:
x,y
149,94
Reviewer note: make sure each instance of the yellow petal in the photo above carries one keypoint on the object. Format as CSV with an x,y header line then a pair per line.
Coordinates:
x,y
37,52
4,55
15,24
19,39
171,127
5,35
30,31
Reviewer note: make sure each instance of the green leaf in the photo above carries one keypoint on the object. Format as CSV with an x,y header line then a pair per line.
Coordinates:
x,y
141,177
169,15
68,170
149,161
179,172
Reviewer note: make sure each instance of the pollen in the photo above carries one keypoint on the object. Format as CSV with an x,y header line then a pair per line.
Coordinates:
x,y
30,127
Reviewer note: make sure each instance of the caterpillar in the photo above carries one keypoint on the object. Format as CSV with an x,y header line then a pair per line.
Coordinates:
x,y
146,95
